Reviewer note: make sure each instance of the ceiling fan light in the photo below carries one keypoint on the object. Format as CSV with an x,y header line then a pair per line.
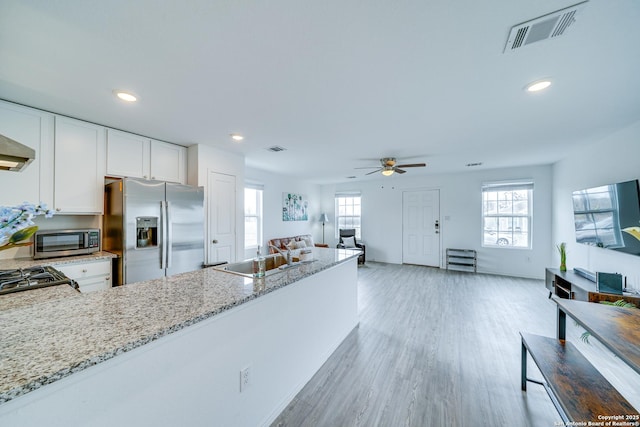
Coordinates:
x,y
387,171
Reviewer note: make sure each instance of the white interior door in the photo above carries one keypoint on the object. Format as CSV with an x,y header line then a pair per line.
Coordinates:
x,y
421,227
222,218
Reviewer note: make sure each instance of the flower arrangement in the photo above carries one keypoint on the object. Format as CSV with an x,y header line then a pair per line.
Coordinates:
x,y
16,223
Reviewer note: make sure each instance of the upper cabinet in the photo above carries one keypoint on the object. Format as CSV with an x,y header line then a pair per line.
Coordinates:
x,y
127,154
34,129
139,157
168,162
79,167
73,157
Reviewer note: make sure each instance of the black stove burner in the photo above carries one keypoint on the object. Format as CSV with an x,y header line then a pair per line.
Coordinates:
x,y
32,278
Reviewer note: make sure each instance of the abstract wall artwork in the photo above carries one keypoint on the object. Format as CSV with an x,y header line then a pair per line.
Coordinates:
x,y
295,207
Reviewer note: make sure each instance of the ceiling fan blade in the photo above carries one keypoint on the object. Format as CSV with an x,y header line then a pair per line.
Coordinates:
x,y
399,170
369,167
377,170
412,165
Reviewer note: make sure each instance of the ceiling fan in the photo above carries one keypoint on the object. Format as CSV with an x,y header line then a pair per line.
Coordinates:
x,y
388,165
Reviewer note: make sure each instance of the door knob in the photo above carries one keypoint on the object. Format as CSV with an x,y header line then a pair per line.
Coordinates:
x,y
214,241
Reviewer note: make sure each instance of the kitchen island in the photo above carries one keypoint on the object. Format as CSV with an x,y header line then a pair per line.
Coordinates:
x,y
171,351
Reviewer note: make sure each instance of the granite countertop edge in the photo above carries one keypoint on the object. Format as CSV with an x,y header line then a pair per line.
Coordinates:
x,y
271,283
9,264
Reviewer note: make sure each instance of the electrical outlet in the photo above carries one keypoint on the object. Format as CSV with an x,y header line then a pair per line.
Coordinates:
x,y
245,379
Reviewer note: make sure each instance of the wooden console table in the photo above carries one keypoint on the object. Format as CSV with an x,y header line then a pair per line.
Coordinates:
x,y
577,389
567,284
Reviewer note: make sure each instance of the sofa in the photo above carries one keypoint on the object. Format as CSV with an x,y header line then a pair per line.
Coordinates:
x,y
283,243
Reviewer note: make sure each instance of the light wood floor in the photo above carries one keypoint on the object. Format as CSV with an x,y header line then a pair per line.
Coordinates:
x,y
434,348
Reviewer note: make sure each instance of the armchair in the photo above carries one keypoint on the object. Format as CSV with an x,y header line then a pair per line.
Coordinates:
x,y
348,240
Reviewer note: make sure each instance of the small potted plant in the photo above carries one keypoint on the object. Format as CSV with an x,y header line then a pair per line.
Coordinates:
x,y
562,248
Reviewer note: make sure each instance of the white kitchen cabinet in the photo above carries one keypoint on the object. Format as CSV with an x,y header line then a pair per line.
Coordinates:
x,y
33,128
168,162
91,275
128,154
136,156
79,167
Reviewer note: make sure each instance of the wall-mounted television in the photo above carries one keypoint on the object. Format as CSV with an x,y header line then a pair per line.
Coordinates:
x,y
609,216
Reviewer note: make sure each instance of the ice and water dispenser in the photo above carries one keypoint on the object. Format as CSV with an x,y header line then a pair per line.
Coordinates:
x,y
146,231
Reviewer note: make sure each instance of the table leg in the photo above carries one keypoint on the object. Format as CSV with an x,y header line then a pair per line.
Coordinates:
x,y
562,324
523,368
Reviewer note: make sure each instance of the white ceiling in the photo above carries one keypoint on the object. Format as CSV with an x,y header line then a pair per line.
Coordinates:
x,y
338,83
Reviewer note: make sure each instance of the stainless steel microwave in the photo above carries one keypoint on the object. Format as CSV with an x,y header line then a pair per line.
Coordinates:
x,y
57,243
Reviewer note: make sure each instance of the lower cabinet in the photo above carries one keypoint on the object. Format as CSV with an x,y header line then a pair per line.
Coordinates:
x,y
91,276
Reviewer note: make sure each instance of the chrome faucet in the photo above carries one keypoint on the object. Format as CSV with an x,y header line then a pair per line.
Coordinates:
x,y
287,256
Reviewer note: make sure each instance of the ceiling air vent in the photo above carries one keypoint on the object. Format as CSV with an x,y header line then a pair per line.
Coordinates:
x,y
276,149
545,27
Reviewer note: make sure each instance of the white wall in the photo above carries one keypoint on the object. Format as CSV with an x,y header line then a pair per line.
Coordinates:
x,y
613,159
203,159
274,186
460,217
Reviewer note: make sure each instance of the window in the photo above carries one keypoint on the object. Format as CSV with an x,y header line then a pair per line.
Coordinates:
x,y
252,216
348,212
507,214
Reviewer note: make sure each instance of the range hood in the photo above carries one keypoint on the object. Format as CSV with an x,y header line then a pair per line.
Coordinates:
x,y
13,155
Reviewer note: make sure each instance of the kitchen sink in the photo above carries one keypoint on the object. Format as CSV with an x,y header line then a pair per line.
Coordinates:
x,y
273,264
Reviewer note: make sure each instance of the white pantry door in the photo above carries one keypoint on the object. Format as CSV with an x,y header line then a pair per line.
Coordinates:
x,y
421,227
222,218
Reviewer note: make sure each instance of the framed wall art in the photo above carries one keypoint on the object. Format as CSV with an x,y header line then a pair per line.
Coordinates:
x,y
295,207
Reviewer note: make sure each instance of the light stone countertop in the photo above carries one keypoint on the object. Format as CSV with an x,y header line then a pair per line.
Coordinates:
x,y
11,264
50,333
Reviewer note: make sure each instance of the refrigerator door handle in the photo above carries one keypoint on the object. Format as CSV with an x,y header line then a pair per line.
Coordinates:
x,y
163,222
169,235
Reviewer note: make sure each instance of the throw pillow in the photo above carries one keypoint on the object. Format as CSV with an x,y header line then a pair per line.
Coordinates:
x,y
293,245
308,241
349,242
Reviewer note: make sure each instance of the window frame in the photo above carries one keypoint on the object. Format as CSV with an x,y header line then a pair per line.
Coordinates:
x,y
354,220
495,216
258,215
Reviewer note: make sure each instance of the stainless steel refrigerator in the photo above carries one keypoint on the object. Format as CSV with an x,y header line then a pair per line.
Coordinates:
x,y
156,228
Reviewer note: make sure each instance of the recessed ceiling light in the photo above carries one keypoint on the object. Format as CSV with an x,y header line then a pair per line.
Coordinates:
x,y
537,86
125,96
237,137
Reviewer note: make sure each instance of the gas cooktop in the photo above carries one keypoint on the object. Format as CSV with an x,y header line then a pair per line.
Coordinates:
x,y
24,279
